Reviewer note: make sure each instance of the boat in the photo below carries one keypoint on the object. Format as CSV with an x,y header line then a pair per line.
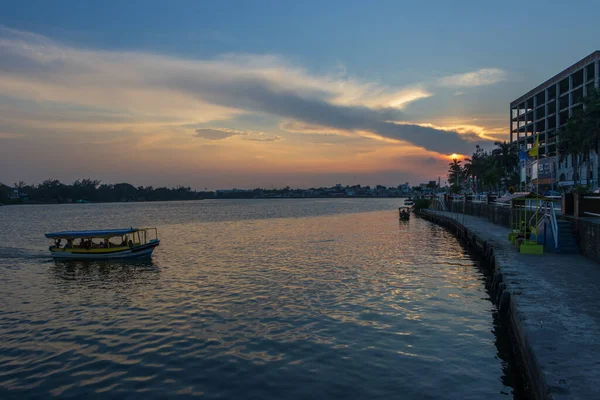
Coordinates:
x,y
409,202
104,244
404,213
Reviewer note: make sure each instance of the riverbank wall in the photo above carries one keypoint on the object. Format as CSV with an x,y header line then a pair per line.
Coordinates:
x,y
493,213
585,228
550,302
587,232
536,384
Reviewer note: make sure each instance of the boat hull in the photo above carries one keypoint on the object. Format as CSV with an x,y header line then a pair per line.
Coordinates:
x,y
135,252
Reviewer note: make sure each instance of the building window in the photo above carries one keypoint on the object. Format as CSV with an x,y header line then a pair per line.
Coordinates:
x,y
563,86
590,72
563,102
540,112
540,98
577,95
578,78
551,92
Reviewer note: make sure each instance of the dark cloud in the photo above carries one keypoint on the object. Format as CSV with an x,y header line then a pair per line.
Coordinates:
x,y
430,161
258,95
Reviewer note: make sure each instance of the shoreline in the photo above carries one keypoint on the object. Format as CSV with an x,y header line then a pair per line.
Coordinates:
x,y
549,302
534,383
210,198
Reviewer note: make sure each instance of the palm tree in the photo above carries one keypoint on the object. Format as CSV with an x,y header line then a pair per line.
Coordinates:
x,y
581,135
455,175
506,158
590,125
475,166
571,143
491,177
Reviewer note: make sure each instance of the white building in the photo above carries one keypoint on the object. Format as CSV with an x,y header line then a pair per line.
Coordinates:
x,y
16,194
546,108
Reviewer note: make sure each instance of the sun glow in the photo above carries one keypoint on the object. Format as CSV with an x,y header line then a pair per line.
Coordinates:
x,y
454,156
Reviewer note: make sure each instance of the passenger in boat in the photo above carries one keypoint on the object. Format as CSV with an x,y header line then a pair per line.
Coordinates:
x,y
130,243
102,245
69,244
81,243
124,242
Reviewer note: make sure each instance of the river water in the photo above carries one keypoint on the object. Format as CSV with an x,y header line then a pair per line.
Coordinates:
x,y
249,299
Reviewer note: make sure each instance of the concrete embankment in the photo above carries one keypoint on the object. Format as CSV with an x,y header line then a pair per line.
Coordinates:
x,y
552,303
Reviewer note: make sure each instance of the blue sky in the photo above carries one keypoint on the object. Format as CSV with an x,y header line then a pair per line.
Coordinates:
x,y
335,60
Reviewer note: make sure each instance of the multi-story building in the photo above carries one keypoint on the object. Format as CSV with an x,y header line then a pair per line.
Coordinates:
x,y
544,109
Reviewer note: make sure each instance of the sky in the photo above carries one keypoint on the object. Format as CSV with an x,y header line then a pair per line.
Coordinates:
x,y
268,94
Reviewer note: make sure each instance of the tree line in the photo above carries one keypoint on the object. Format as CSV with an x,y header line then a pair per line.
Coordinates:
x,y
486,171
580,136
90,190
54,191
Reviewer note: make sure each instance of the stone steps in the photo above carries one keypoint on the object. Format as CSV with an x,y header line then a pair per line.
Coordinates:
x,y
567,242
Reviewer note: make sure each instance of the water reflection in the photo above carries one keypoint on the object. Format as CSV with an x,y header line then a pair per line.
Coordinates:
x,y
142,270
261,304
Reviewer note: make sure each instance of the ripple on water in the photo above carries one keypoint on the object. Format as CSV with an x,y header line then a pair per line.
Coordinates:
x,y
322,299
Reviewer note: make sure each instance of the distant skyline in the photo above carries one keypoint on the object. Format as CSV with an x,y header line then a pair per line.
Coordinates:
x,y
268,93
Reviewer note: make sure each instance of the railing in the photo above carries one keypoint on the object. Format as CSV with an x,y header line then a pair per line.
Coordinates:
x,y
547,210
552,214
442,203
539,209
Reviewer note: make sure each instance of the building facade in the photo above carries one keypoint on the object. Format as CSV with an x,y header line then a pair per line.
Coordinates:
x,y
546,108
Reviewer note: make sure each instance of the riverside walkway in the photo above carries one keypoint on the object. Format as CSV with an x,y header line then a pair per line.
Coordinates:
x,y
555,305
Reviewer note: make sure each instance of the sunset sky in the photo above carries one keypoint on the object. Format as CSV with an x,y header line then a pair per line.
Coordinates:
x,y
269,93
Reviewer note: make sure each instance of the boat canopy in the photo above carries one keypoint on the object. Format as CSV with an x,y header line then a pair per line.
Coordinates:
x,y
90,234
520,195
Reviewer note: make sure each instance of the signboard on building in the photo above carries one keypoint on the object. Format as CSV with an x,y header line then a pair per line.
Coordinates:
x,y
545,166
534,170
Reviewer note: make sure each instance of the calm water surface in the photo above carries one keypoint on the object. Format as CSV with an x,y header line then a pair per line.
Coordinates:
x,y
261,299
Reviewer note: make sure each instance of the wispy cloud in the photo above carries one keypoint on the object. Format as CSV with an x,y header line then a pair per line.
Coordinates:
x,y
4,135
178,92
470,131
265,138
482,77
224,133
219,133
307,128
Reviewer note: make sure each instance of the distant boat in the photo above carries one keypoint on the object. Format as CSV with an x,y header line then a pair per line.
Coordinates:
x,y
409,202
104,244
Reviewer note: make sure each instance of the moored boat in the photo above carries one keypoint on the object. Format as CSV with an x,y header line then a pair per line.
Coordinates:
x,y
404,213
104,244
409,202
